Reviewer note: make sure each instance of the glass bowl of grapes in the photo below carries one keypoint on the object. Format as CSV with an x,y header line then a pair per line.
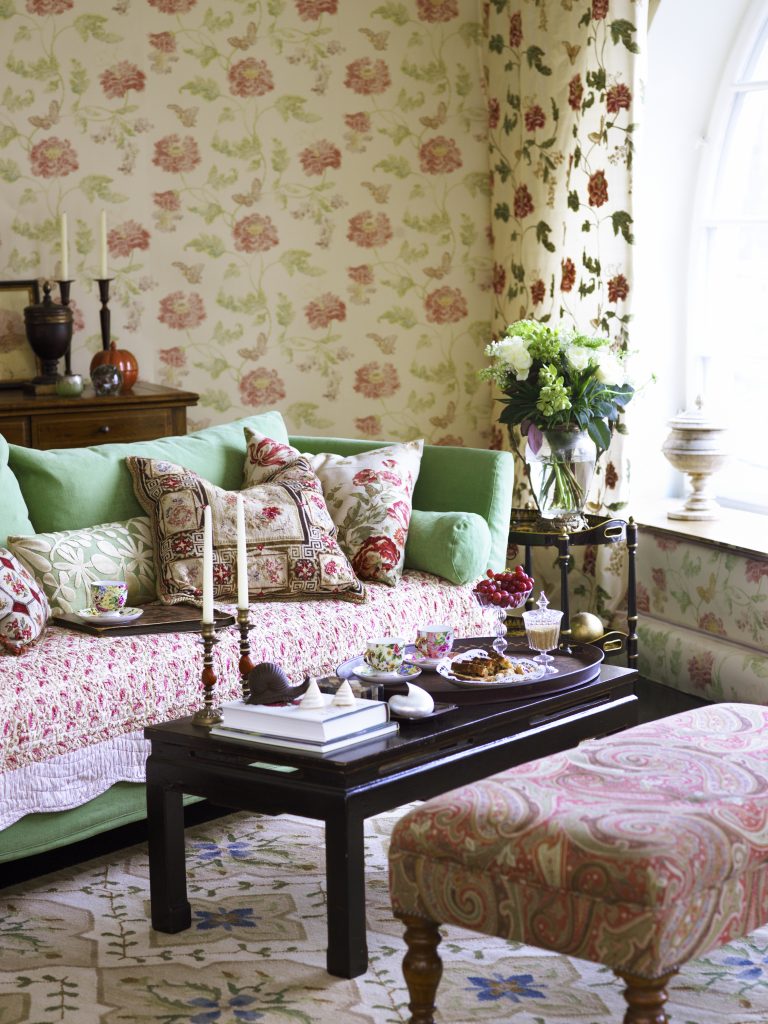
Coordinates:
x,y
503,591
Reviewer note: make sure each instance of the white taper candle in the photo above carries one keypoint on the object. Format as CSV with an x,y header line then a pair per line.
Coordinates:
x,y
103,245
207,565
64,249
242,557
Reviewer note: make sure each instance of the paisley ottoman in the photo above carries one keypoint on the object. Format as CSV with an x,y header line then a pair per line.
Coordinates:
x,y
637,851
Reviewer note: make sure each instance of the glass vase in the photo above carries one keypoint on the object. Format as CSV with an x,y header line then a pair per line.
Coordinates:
x,y
560,472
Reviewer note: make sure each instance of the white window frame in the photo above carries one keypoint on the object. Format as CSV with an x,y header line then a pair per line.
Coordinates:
x,y
731,84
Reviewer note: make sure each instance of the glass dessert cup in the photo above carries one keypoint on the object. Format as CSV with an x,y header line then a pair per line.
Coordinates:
x,y
515,600
542,629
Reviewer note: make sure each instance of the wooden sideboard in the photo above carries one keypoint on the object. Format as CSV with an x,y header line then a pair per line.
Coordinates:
x,y
145,412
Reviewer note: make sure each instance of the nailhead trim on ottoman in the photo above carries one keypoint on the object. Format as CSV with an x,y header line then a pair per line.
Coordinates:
x,y
638,851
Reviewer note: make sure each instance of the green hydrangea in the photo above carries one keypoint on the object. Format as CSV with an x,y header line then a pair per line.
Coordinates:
x,y
553,396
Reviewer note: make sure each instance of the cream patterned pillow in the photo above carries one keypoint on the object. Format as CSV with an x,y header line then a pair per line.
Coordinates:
x,y
290,541
67,562
369,497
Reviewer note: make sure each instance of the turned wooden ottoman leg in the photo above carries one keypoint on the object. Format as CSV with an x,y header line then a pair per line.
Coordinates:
x,y
645,998
422,967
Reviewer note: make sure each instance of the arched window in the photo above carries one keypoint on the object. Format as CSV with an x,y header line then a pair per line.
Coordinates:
x,y
728,336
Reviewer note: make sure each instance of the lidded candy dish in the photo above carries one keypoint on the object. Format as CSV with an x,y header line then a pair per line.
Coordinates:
x,y
502,591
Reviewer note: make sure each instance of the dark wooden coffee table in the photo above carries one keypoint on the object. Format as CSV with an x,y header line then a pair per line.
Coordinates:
x,y
343,789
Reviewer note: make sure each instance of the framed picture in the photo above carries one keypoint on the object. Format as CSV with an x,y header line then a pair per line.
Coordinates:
x,y
18,363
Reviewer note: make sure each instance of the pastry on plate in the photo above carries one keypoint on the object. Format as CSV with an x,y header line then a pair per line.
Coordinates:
x,y
485,667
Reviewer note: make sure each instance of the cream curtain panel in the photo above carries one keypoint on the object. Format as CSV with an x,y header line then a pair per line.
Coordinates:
x,y
563,81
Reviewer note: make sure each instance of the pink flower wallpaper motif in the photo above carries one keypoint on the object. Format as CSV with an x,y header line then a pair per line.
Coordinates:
x,y
297,197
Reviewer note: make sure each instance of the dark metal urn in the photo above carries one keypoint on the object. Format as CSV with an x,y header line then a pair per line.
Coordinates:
x,y
49,333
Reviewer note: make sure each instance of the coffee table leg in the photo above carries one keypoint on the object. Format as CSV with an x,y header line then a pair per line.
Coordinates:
x,y
345,879
167,863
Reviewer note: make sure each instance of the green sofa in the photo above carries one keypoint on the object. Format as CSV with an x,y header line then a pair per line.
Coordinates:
x,y
462,503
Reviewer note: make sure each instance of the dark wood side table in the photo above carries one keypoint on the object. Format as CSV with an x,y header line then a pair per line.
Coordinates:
x,y
145,412
528,529
343,789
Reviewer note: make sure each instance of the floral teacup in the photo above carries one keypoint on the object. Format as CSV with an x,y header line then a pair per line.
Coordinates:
x,y
386,654
434,641
109,595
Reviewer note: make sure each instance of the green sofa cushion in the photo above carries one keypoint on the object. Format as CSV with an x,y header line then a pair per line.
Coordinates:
x,y
450,480
14,516
454,545
72,488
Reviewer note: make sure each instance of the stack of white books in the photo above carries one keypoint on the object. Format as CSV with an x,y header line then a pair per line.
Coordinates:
x,y
317,729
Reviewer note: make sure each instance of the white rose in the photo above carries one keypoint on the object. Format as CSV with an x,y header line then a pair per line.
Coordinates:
x,y
579,357
515,354
610,369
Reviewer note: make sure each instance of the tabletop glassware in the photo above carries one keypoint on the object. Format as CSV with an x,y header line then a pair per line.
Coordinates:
x,y
503,593
542,628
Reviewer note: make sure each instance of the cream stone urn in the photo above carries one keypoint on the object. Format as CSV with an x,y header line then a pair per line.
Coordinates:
x,y
695,447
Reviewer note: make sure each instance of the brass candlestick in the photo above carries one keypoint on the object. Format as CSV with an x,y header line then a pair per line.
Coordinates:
x,y
208,714
245,665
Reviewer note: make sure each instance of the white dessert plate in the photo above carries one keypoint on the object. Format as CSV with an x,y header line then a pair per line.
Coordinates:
x,y
109,618
524,672
406,671
423,662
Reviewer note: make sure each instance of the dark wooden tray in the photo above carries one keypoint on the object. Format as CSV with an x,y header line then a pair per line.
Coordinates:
x,y
157,618
581,666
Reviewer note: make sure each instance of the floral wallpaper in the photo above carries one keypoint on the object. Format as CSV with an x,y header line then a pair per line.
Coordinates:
x,y
297,199
563,80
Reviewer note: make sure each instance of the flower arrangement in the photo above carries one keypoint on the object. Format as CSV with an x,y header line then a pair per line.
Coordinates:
x,y
557,380
554,377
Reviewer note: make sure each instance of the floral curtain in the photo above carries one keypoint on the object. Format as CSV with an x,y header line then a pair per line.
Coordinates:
x,y
563,80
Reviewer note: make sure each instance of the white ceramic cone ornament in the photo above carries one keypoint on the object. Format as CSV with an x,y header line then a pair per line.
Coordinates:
x,y
312,697
344,697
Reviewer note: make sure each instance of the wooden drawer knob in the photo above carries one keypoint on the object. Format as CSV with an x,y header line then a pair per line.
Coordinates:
x,y
104,429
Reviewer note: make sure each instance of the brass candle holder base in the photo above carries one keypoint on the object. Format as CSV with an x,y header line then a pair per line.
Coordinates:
x,y
245,664
208,714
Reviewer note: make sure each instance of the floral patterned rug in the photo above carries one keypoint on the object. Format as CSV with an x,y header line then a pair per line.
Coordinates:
x,y
76,946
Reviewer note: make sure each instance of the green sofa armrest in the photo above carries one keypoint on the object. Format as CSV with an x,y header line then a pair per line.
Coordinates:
x,y
14,515
450,480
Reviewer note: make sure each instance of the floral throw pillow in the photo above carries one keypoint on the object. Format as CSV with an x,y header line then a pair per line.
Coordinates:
x,y
66,562
369,497
290,543
24,607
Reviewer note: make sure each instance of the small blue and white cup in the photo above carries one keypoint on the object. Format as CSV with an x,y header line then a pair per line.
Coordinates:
x,y
109,595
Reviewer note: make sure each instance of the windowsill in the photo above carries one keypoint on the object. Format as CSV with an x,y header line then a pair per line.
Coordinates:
x,y
742,532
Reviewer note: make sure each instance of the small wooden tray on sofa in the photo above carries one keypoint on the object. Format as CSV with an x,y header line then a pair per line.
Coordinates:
x,y
157,618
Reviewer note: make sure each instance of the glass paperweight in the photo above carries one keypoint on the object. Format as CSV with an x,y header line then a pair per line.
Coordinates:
x,y
106,379
542,628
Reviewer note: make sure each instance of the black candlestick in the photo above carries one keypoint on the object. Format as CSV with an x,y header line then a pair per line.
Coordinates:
x,y
64,287
104,316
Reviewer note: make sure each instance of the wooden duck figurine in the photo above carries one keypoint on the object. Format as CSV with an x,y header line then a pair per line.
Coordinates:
x,y
268,684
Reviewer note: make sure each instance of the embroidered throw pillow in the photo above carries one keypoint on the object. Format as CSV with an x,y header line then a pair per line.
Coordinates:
x,y
290,543
24,607
65,563
369,496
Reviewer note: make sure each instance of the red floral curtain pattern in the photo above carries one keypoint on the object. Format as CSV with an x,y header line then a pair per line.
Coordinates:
x,y
562,79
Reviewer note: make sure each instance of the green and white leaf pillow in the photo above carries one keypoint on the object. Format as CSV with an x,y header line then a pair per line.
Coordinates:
x,y
66,563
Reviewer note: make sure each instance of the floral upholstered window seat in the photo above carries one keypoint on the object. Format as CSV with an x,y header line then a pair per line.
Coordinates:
x,y
703,604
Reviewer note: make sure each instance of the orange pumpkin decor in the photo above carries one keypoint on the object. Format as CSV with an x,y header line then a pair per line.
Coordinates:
x,y
124,360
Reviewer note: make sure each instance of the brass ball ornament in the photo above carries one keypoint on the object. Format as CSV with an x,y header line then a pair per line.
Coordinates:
x,y
586,627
